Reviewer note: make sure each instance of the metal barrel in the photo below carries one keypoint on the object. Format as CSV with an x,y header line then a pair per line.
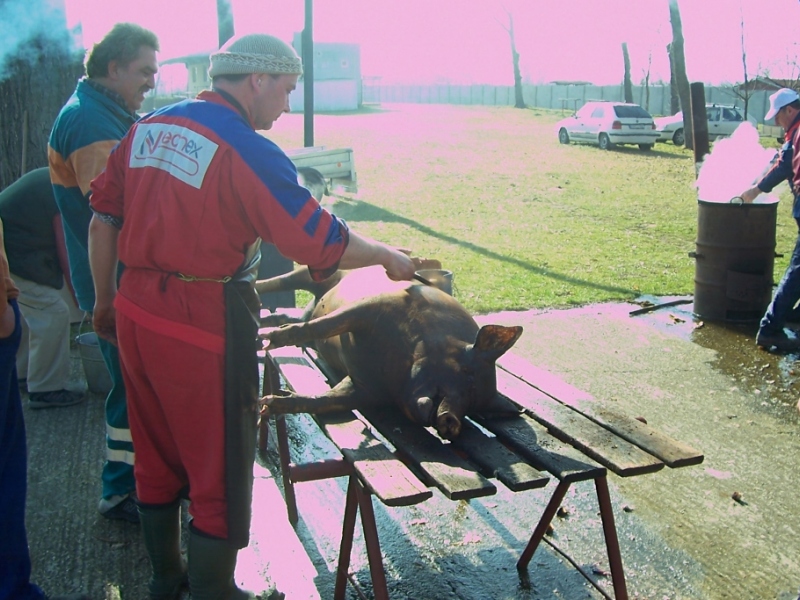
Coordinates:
x,y
734,260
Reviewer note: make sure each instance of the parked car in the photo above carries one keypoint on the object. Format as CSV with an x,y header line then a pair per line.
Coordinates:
x,y
722,122
609,123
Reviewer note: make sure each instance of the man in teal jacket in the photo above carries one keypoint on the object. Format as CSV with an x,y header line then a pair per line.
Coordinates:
x,y
120,70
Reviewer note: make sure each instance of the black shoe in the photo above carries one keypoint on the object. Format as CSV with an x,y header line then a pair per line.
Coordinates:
x,y
124,511
778,340
54,399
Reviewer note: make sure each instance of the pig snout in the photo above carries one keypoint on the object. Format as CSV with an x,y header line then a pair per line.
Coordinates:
x,y
448,423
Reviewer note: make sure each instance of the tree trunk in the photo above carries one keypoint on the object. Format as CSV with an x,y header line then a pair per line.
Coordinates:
x,y
745,88
680,71
626,81
674,101
519,100
647,82
38,80
224,21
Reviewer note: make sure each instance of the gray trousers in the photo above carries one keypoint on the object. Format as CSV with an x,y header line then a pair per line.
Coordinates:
x,y
43,356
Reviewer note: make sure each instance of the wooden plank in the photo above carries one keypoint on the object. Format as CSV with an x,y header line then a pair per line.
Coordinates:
x,y
532,441
391,481
496,460
381,472
454,476
623,458
672,452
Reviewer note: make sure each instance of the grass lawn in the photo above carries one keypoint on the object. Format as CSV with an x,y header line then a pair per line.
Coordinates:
x,y
522,221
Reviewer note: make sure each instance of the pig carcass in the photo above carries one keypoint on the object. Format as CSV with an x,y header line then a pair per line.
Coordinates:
x,y
400,342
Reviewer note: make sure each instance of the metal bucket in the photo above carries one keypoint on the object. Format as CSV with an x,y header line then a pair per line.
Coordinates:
x,y
439,278
98,378
735,258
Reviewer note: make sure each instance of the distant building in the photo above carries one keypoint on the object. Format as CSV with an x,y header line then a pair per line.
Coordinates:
x,y
337,76
768,84
197,71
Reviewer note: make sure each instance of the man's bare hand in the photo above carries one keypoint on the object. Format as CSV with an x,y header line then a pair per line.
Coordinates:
x,y
750,195
104,320
399,266
276,337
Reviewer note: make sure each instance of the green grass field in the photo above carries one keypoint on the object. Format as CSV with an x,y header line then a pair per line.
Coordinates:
x,y
522,221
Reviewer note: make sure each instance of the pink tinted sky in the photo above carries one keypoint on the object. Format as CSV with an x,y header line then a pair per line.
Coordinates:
x,y
462,40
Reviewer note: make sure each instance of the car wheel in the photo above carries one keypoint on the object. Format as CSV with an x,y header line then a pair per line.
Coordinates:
x,y
563,136
604,142
646,147
677,138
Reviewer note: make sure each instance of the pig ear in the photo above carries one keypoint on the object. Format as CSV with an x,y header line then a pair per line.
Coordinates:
x,y
493,341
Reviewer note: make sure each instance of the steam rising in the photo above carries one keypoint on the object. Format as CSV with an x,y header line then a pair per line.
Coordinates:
x,y
25,20
734,165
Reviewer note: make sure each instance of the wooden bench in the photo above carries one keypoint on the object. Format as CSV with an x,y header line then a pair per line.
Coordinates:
x,y
561,432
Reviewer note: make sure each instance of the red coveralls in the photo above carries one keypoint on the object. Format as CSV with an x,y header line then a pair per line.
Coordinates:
x,y
192,187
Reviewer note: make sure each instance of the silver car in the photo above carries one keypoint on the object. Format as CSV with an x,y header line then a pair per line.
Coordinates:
x,y
607,124
722,122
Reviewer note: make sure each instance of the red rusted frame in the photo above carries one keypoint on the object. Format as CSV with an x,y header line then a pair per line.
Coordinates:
x,y
292,473
359,498
286,472
544,523
609,532
612,543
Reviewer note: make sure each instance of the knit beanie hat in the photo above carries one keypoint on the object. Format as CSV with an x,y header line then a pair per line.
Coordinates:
x,y
255,53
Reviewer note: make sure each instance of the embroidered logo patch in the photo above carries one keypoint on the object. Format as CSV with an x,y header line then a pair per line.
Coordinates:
x,y
183,153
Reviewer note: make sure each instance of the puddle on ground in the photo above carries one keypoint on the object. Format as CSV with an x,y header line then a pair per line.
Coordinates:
x,y
772,379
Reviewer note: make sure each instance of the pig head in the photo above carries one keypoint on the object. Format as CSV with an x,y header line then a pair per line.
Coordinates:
x,y
400,342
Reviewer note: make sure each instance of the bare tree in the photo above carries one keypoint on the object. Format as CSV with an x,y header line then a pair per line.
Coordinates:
x,y
519,100
679,64
646,80
743,92
626,80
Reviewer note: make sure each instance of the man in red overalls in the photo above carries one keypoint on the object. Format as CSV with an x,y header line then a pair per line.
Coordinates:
x,y
183,203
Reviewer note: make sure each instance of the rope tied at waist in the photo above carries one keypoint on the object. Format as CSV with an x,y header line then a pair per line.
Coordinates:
x,y
183,277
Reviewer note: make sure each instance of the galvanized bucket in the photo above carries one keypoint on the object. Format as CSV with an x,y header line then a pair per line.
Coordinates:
x,y
98,378
439,278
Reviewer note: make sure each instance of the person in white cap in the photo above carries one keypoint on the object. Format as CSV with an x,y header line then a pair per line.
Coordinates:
x,y
784,107
184,202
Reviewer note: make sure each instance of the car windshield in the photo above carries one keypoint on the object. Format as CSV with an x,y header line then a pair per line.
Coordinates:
x,y
631,112
731,115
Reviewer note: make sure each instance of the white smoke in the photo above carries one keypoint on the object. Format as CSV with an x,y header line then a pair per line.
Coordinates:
x,y
22,21
735,164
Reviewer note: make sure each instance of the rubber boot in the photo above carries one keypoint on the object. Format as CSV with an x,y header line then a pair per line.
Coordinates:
x,y
161,530
212,562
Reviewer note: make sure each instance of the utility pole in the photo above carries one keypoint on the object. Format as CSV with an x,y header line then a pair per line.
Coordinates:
x,y
308,76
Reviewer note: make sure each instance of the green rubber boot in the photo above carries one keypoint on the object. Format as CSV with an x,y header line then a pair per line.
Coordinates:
x,y
161,530
212,562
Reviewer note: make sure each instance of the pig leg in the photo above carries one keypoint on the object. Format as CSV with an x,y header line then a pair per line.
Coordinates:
x,y
279,319
342,320
299,279
340,398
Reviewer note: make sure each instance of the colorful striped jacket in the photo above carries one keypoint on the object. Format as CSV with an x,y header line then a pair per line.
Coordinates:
x,y
89,125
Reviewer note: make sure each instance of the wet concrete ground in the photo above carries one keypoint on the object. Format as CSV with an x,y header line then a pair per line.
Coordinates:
x,y
682,534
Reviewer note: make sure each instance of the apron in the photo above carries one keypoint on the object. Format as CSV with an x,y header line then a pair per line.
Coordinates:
x,y
242,308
